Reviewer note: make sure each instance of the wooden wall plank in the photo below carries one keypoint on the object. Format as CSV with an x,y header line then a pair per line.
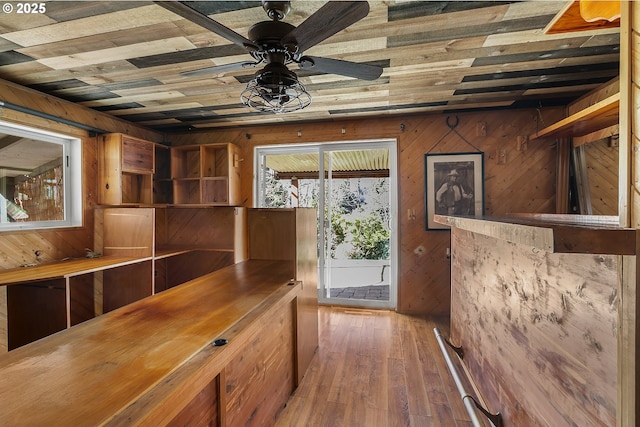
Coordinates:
x,y
602,169
4,329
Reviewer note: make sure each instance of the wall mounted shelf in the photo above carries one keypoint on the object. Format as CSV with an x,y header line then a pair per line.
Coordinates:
x,y
598,116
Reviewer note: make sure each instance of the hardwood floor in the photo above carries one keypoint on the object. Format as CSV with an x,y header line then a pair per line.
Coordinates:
x,y
376,368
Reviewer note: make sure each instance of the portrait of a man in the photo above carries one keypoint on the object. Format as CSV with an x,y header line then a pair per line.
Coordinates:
x,y
453,186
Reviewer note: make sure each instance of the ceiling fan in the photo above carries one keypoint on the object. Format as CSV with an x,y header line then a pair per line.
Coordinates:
x,y
277,44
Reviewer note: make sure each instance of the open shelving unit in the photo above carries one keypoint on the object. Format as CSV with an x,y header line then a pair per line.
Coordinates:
x,y
145,250
205,174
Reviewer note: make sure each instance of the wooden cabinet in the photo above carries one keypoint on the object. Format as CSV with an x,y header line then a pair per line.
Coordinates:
x,y
126,167
291,235
184,243
145,250
153,362
191,242
206,174
133,171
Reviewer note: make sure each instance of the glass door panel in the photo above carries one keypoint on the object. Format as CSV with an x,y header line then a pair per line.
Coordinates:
x,y
351,185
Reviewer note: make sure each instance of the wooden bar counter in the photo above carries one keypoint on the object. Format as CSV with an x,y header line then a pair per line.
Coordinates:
x,y
153,363
535,303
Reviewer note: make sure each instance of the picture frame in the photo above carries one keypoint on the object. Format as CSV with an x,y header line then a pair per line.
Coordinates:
x,y
454,185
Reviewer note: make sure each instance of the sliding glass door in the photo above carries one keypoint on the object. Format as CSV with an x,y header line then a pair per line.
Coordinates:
x,y
352,185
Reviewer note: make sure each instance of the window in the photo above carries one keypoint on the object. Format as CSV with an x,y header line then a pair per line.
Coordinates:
x,y
40,179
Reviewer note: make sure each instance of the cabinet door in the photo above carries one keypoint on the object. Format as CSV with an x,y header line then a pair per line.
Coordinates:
x,y
126,170
137,155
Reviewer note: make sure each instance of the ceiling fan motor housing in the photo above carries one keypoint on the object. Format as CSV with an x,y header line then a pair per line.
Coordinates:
x,y
267,35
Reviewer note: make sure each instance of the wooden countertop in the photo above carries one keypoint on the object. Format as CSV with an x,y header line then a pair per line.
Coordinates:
x,y
63,269
103,370
553,233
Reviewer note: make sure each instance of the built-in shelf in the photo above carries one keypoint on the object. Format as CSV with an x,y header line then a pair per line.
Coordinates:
x,y
598,116
597,15
552,233
65,269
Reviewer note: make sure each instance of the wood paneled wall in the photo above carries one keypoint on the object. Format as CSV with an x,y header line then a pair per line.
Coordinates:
x,y
629,210
602,169
18,248
516,180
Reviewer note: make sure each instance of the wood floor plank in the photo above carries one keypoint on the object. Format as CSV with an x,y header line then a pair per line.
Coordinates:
x,y
376,369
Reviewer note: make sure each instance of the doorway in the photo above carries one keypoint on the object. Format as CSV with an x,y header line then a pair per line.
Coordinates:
x,y
353,187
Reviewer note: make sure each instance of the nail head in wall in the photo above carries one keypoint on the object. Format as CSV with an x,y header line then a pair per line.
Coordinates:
x,y
247,135
419,250
402,127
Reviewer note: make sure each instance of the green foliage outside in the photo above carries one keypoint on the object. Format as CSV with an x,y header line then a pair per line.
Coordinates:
x,y
358,219
370,239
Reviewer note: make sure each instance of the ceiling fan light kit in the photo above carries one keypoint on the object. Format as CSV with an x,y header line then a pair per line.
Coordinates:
x,y
277,44
275,89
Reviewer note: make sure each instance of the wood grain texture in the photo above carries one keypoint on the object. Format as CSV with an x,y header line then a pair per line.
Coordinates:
x,y
205,228
602,169
4,328
258,382
118,349
376,368
46,315
307,301
63,269
128,61
423,275
180,268
542,232
202,410
539,330
628,404
127,284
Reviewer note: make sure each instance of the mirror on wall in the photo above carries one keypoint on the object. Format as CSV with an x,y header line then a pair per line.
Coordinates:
x,y
39,179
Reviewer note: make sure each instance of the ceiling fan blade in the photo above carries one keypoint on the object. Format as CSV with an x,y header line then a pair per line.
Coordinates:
x,y
343,68
218,69
330,19
182,9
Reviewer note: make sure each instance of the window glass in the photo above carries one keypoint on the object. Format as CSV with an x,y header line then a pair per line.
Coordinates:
x,y
40,184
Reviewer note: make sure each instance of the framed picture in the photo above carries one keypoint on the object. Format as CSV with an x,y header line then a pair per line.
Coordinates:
x,y
454,185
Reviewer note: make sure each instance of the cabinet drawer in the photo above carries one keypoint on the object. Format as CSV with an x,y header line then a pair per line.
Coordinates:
x,y
137,155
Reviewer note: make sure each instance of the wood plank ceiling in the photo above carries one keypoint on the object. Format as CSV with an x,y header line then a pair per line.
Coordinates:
x,y
125,58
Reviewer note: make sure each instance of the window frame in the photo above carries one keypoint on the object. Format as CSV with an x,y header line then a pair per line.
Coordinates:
x,y
72,177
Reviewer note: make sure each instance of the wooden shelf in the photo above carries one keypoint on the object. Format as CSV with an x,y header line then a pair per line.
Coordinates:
x,y
598,116
169,251
571,19
207,174
552,233
65,269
